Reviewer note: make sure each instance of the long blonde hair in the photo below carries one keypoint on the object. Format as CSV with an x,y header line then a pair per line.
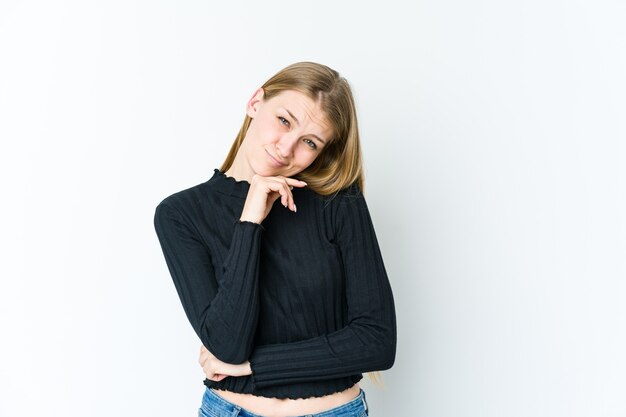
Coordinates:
x,y
340,162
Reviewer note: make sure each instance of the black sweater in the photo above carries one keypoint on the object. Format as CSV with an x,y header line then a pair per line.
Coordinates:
x,y
303,296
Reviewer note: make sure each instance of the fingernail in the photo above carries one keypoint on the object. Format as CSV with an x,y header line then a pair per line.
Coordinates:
x,y
303,182
295,209
291,187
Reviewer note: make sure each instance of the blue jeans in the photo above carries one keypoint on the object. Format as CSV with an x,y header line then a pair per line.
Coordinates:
x,y
215,406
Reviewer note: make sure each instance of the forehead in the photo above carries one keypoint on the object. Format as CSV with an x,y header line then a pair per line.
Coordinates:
x,y
306,110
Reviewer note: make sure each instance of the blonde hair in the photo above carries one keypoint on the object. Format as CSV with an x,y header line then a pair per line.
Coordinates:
x,y
340,163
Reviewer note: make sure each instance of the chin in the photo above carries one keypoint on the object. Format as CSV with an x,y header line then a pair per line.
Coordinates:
x,y
267,171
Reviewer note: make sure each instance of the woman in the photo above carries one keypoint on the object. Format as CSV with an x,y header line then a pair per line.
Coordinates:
x,y
292,304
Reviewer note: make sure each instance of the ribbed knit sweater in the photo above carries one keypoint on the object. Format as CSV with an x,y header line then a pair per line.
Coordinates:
x,y
303,296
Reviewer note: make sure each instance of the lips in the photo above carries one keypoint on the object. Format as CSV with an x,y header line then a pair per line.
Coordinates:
x,y
276,161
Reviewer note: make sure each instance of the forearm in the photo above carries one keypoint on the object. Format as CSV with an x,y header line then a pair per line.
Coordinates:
x,y
228,326
362,346
220,301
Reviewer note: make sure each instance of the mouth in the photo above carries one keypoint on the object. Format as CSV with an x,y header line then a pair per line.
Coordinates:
x,y
276,161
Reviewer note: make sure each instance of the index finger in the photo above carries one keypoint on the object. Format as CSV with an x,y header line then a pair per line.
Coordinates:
x,y
293,181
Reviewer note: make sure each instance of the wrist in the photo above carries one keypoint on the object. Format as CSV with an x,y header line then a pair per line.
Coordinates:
x,y
247,219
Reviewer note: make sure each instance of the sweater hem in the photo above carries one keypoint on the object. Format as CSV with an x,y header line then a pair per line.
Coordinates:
x,y
290,391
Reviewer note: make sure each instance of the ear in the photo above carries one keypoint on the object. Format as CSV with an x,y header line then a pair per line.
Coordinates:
x,y
254,102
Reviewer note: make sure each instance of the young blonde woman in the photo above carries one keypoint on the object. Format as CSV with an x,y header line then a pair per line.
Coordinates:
x,y
276,261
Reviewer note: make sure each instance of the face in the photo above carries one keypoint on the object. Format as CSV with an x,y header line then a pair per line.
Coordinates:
x,y
286,134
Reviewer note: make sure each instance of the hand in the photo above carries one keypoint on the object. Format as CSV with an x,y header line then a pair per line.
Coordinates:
x,y
264,191
216,370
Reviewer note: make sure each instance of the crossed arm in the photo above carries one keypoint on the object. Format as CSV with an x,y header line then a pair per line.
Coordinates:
x,y
366,343
223,310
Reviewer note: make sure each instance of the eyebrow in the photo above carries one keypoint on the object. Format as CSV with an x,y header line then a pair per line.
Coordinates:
x,y
298,123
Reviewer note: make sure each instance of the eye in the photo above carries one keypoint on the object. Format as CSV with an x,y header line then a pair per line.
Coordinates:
x,y
283,121
310,143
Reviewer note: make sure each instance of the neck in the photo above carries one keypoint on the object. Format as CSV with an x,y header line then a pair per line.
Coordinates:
x,y
239,170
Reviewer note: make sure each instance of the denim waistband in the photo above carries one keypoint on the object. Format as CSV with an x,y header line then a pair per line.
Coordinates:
x,y
215,405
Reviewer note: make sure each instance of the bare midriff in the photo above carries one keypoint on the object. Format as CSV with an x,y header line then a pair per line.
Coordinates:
x,y
279,407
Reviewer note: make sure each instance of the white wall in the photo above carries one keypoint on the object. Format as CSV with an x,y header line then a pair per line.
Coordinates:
x,y
495,153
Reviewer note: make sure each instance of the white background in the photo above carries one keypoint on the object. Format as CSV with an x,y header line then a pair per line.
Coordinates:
x,y
494,145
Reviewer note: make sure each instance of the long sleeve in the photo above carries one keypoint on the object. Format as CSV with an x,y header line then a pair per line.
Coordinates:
x,y
222,307
368,341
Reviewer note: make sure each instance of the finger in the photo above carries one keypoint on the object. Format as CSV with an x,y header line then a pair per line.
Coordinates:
x,y
280,186
275,194
288,195
294,182
289,181
208,372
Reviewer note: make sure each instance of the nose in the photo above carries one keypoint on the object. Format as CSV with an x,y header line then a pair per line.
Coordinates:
x,y
286,145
